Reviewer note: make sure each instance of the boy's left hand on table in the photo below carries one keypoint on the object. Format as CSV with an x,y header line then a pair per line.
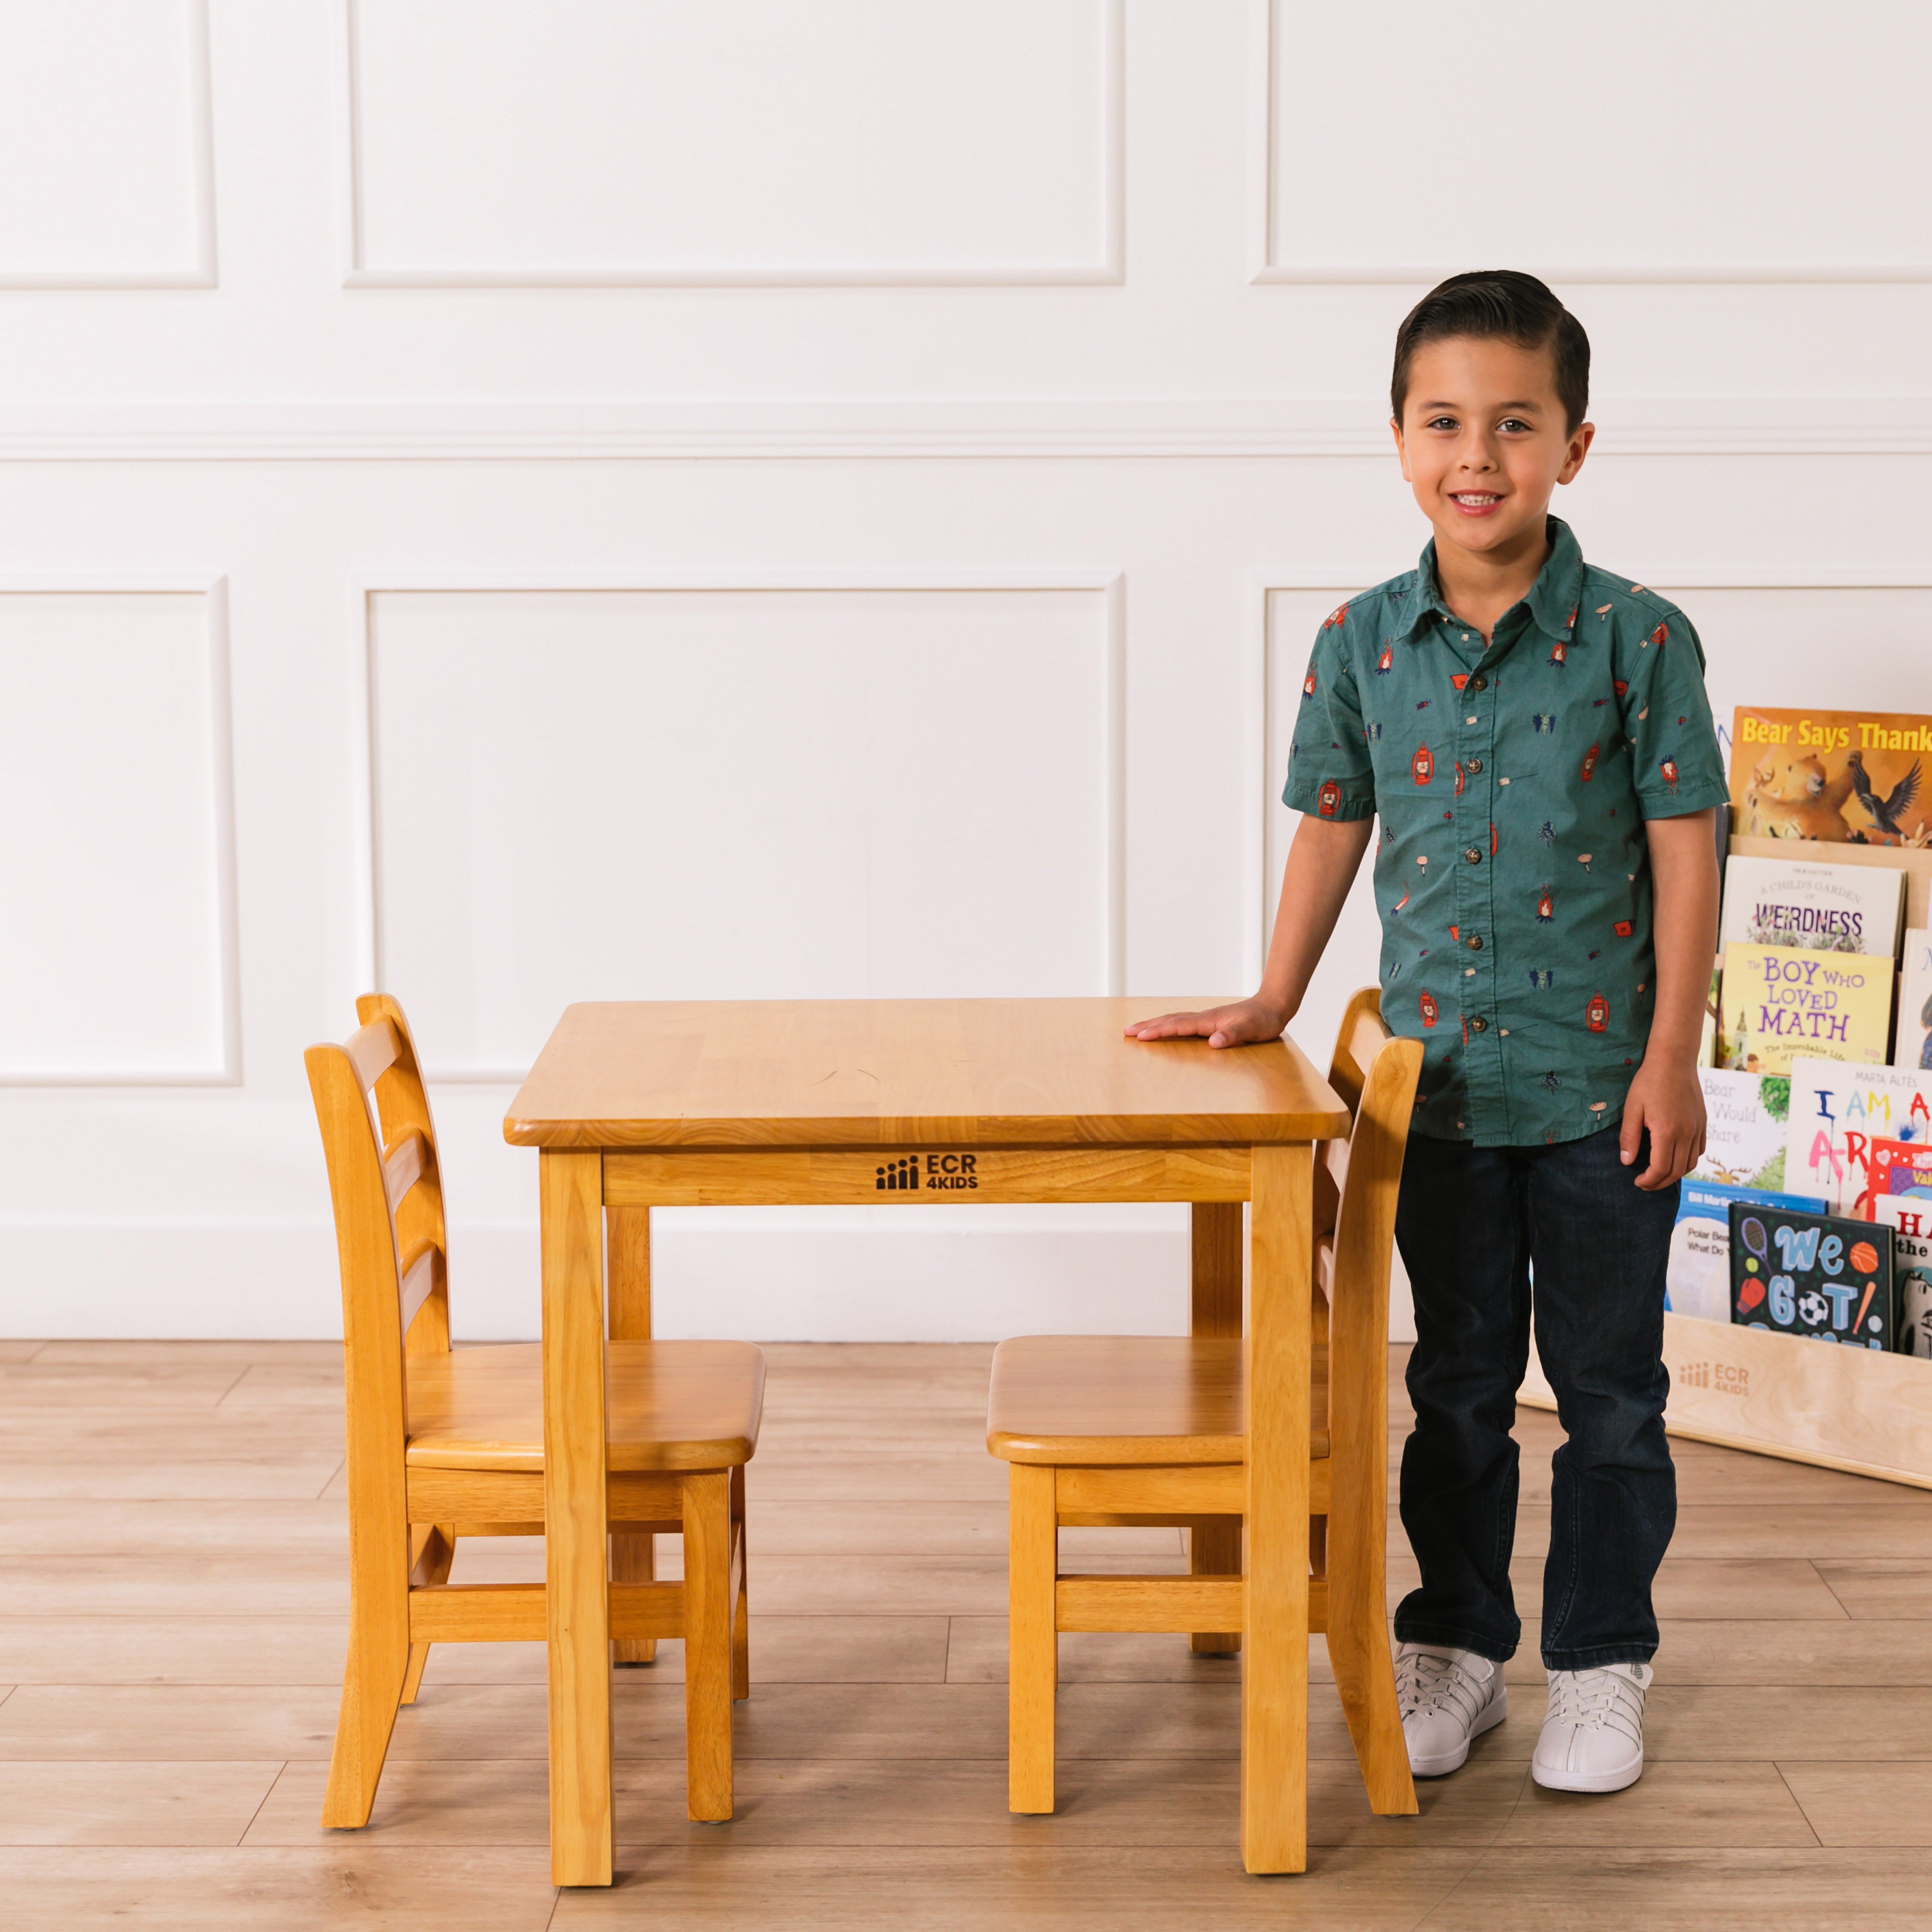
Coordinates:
x,y
1667,1102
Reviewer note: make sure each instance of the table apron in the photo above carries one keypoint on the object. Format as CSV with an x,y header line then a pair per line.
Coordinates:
x,y
701,1178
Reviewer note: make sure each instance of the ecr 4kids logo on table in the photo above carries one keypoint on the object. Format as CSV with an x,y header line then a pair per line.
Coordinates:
x,y
941,1172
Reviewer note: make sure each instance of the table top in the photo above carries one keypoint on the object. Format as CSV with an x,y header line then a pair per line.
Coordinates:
x,y
834,1073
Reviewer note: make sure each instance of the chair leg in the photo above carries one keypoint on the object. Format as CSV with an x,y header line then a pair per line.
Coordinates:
x,y
1214,1549
372,1687
1032,1665
633,1560
434,1548
741,1611
707,1645
1358,1652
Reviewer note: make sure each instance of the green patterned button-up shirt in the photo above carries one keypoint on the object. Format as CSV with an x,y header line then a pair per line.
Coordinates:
x,y
1513,781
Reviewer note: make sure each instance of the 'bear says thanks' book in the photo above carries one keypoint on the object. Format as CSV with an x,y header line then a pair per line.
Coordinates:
x,y
1812,1275
1847,778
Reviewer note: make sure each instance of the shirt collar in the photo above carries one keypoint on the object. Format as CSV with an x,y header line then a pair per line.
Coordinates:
x,y
1552,599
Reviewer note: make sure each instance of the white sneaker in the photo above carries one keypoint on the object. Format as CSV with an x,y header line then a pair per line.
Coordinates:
x,y
1593,1736
1446,1697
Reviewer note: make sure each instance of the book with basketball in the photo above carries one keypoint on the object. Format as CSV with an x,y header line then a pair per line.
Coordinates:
x,y
1812,904
1779,1002
1838,777
1814,1275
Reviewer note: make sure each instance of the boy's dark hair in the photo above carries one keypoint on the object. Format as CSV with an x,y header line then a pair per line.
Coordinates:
x,y
1493,303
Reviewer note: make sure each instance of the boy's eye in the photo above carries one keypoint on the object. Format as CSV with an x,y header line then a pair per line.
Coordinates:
x,y
1441,422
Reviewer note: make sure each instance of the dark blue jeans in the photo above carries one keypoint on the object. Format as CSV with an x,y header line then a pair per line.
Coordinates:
x,y
1473,1224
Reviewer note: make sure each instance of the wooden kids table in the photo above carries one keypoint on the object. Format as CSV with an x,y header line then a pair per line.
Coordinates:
x,y
885,1101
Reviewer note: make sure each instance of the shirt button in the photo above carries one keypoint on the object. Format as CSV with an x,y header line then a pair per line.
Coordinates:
x,y
1479,684
1475,764
1474,854
1479,1025
1475,942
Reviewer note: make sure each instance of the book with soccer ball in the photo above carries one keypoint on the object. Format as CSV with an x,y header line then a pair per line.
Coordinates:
x,y
1839,777
1811,904
1816,1275
1779,1002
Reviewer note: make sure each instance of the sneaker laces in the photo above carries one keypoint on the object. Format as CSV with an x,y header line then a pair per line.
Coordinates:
x,y
1602,1699
1428,1681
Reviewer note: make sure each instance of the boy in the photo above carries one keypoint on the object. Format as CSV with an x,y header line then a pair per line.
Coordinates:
x,y
1534,735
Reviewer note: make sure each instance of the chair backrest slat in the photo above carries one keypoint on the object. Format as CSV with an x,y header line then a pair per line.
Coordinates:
x,y
419,1280
404,1166
373,1050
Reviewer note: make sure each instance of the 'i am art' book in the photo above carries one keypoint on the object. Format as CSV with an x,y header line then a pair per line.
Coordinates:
x,y
1778,1002
1813,1275
1836,1112
1840,777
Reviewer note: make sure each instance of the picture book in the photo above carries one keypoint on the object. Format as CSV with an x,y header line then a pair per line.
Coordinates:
x,y
1836,1112
1842,777
1812,903
1813,1275
1912,1046
1699,1280
1911,1273
1707,1033
1902,1168
1745,1129
1779,1003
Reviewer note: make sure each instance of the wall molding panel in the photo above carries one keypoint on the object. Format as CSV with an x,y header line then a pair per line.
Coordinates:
x,y
1105,588
75,189
391,185
1402,61
91,802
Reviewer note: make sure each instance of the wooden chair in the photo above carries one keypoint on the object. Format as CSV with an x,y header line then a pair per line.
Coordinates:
x,y
446,1443
1150,1430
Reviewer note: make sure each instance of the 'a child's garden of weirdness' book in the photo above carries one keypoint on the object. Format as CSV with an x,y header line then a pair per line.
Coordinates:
x,y
1843,777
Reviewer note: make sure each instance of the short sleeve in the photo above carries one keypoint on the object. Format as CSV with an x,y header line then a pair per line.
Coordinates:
x,y
1674,757
1329,774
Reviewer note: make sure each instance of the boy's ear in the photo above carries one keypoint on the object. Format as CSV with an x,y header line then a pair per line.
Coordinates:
x,y
1580,439
1402,450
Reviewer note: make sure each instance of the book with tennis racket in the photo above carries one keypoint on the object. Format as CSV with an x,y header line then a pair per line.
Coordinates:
x,y
1818,1276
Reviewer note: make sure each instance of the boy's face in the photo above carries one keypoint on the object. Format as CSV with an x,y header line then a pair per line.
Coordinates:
x,y
1483,442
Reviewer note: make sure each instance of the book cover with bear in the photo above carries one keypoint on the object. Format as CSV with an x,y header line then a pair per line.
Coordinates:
x,y
1840,777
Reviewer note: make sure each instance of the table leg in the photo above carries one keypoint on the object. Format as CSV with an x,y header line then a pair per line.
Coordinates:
x,y
628,1257
1214,1549
1274,1670
577,1598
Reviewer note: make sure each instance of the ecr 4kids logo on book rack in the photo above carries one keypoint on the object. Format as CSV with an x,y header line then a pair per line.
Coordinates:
x,y
941,1173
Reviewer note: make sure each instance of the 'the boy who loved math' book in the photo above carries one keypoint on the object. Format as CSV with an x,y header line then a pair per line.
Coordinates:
x,y
1778,1002
1842,777
1813,1275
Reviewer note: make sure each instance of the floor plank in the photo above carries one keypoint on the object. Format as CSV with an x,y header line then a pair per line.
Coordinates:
x,y
172,1593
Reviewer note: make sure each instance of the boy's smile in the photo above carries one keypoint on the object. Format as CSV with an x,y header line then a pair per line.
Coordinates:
x,y
1484,441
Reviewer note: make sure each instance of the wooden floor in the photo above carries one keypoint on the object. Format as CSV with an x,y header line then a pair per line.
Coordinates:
x,y
172,1606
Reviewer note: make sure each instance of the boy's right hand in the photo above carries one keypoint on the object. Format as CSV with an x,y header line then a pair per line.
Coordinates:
x,y
1243,1023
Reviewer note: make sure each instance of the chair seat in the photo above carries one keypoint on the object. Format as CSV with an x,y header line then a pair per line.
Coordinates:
x,y
1083,1400
668,1405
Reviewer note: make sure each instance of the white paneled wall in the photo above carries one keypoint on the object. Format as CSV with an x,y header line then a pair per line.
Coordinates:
x,y
533,502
